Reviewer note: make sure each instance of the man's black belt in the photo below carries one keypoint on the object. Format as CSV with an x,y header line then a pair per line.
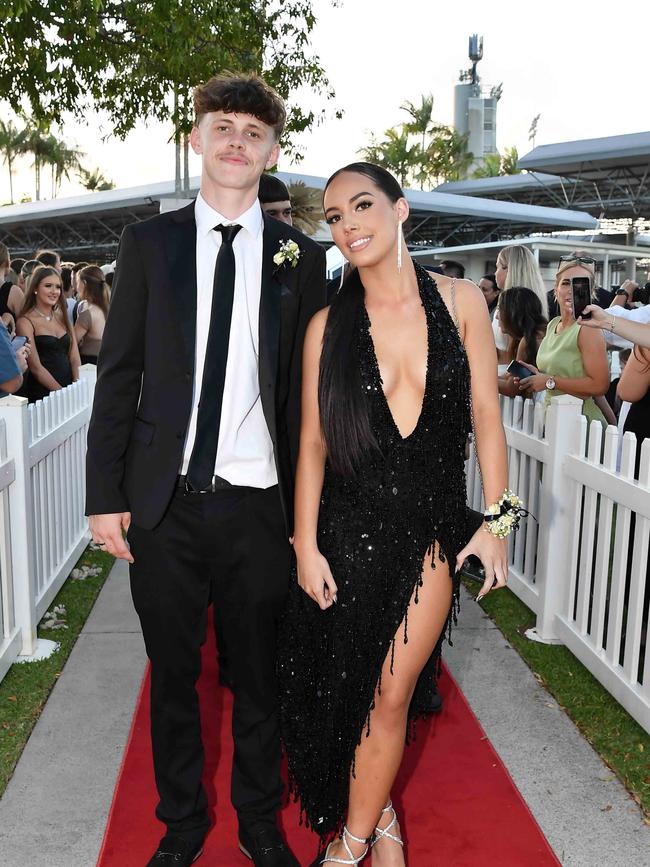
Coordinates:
x,y
217,484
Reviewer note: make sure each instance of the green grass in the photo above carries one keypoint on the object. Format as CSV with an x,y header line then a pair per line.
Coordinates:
x,y
620,741
26,686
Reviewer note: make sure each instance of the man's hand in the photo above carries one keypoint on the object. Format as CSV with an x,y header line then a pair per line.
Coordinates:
x,y
107,532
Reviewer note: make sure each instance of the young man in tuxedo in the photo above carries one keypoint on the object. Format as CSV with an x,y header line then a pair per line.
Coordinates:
x,y
191,449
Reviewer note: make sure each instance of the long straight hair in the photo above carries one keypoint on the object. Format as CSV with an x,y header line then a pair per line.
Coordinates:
x,y
523,270
521,318
343,407
38,275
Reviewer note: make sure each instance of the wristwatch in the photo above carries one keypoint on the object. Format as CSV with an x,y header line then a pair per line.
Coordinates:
x,y
550,384
621,292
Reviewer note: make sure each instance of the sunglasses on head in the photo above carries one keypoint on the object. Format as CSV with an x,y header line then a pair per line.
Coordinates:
x,y
586,260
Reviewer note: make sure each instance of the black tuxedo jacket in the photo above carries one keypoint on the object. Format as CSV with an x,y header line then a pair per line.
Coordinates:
x,y
145,372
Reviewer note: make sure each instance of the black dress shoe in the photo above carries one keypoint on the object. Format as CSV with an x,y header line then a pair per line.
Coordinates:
x,y
267,849
174,851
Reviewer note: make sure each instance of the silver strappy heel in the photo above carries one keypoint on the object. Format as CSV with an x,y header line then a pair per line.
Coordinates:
x,y
380,833
353,861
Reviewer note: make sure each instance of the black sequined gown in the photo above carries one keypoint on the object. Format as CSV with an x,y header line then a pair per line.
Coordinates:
x,y
375,529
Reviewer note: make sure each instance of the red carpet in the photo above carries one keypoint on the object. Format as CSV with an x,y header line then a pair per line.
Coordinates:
x,y
458,806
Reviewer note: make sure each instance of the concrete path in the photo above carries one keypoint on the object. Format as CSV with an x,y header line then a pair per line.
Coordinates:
x,y
54,811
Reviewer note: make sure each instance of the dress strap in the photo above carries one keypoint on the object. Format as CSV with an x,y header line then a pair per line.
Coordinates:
x,y
454,312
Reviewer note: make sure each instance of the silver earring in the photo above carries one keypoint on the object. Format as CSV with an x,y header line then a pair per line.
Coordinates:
x,y
399,246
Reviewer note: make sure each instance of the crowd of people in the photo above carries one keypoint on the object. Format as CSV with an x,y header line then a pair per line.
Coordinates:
x,y
537,330
52,315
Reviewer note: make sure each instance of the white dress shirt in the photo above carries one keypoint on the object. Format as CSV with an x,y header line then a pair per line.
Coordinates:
x,y
637,314
245,450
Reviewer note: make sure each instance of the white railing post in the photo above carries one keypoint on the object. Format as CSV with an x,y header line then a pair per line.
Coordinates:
x,y
14,412
556,520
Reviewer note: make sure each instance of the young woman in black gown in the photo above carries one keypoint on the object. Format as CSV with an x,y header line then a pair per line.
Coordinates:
x,y
54,360
381,517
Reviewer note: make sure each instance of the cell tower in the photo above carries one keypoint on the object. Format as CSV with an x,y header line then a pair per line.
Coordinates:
x,y
475,112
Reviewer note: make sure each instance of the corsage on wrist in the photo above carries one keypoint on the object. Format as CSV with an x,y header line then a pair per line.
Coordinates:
x,y
502,517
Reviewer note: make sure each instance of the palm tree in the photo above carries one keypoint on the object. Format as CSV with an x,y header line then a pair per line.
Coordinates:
x,y
395,153
42,145
63,160
490,167
447,157
510,162
422,117
306,207
11,143
93,180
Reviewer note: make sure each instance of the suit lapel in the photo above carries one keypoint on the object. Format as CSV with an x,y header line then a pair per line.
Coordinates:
x,y
269,325
181,255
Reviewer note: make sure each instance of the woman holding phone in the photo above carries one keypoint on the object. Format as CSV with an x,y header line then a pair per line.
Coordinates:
x,y
571,359
524,324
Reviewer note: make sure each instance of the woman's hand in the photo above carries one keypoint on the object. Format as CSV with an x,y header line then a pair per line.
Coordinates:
x,y
535,382
493,554
599,318
22,355
315,577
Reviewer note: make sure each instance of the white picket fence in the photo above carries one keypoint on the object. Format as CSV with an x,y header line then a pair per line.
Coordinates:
x,y
42,489
583,565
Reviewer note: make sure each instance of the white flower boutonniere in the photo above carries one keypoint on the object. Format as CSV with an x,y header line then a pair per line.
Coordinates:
x,y
288,254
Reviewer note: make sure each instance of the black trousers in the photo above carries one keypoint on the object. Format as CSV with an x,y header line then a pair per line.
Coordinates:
x,y
229,547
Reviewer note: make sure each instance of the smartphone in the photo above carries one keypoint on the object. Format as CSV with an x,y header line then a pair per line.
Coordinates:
x,y
17,342
517,369
581,291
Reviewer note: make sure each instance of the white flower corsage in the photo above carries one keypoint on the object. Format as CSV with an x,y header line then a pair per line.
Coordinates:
x,y
288,254
502,517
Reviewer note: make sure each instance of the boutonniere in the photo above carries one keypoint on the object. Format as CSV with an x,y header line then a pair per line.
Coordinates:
x,y
288,254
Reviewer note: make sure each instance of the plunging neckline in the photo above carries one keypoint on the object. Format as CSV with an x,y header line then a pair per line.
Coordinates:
x,y
380,381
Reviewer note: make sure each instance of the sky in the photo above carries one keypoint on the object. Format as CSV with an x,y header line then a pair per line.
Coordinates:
x,y
583,68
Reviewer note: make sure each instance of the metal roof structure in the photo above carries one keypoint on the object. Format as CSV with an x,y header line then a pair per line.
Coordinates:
x,y
89,226
607,177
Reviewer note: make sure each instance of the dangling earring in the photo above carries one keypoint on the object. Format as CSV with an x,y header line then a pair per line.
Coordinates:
x,y
399,246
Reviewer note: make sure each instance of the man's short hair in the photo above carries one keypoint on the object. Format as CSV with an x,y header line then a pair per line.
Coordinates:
x,y
241,94
47,257
17,264
453,269
492,278
78,266
272,189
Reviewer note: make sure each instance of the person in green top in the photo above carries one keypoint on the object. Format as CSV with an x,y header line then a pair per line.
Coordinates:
x,y
571,359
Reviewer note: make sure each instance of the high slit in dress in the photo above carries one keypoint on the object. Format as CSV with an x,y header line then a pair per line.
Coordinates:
x,y
375,529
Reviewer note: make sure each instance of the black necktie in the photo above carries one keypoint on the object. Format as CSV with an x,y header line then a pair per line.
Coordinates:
x,y
204,453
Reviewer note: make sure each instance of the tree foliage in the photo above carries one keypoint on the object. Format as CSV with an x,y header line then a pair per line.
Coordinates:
x,y
11,146
94,180
130,57
421,150
494,165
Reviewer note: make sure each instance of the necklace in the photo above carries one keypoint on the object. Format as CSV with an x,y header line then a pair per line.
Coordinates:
x,y
48,318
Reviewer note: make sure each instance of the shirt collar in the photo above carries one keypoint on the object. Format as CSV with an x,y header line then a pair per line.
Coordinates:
x,y
207,218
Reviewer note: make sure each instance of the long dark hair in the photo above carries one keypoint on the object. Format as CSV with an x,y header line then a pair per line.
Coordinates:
x,y
343,407
521,317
